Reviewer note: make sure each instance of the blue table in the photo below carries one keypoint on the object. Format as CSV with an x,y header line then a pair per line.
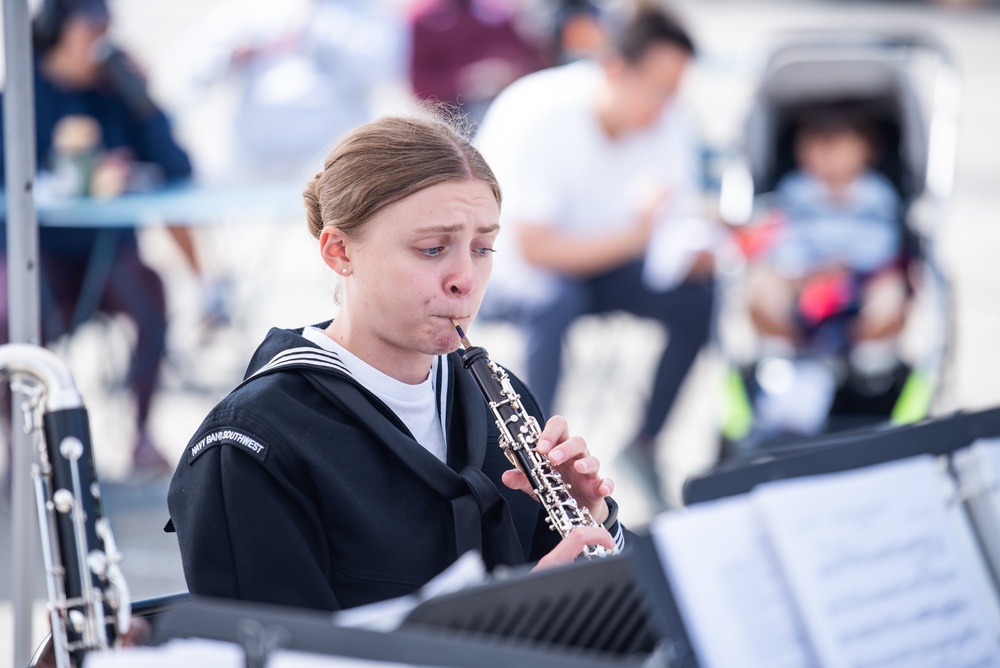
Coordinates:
x,y
179,204
182,204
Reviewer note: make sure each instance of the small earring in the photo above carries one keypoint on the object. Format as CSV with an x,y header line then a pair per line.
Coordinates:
x,y
344,270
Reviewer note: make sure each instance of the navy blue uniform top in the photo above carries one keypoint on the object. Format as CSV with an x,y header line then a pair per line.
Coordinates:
x,y
302,488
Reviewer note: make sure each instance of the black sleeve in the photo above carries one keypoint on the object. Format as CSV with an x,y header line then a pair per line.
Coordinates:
x,y
153,141
243,533
150,134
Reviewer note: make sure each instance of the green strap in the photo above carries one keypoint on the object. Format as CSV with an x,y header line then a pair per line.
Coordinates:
x,y
915,398
737,413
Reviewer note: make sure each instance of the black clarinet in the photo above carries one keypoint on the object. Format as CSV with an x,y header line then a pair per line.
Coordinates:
x,y
88,600
519,433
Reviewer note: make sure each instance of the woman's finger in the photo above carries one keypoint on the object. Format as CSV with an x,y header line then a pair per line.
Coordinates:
x,y
588,465
555,431
516,480
570,547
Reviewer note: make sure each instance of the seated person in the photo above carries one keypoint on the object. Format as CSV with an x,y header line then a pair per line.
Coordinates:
x,y
832,278
97,133
600,165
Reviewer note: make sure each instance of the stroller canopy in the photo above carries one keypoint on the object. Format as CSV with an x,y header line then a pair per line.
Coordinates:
x,y
831,70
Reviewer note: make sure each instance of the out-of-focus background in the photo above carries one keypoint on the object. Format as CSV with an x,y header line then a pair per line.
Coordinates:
x,y
268,273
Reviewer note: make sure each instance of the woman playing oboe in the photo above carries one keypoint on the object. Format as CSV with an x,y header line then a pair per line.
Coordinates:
x,y
358,459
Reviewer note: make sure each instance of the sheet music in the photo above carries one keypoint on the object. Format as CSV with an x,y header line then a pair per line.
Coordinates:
x,y
200,653
972,552
187,652
875,568
734,601
288,659
467,571
978,469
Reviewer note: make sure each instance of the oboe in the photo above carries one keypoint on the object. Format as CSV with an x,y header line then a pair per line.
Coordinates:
x,y
519,434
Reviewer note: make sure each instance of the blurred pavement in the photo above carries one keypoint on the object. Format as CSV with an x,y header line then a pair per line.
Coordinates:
x,y
279,280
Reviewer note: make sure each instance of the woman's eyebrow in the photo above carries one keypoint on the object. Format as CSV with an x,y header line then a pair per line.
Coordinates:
x,y
451,229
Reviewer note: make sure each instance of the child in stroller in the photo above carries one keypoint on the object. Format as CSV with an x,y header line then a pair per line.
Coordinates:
x,y
832,280
835,312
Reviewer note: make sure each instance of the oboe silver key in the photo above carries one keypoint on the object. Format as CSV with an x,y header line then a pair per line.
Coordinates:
x,y
519,434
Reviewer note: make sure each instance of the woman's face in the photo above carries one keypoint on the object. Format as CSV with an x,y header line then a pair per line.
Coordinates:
x,y
420,263
77,51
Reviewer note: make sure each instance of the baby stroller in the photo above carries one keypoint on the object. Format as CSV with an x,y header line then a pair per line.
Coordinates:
x,y
910,86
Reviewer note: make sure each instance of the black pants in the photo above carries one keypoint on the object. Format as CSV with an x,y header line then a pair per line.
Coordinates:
x,y
686,311
127,286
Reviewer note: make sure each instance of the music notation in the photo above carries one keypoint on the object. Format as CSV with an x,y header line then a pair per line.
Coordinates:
x,y
869,568
873,560
736,604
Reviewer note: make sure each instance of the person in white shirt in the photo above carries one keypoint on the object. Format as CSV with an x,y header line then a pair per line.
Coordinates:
x,y
600,167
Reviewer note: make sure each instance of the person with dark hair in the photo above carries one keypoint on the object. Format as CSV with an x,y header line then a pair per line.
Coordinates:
x,y
576,30
832,283
358,459
600,164
98,133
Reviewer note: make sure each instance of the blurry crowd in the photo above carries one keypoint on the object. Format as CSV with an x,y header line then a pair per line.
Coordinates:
x,y
299,74
575,105
305,72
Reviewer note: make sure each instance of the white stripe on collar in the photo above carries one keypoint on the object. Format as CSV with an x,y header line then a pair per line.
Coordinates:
x,y
308,356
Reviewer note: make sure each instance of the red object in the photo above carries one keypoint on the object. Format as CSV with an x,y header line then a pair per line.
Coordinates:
x,y
825,295
757,238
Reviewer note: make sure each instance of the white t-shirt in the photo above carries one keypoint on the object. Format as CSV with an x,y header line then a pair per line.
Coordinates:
x,y
557,166
421,407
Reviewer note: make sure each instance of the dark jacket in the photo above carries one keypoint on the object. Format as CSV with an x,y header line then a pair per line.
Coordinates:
x,y
147,136
302,488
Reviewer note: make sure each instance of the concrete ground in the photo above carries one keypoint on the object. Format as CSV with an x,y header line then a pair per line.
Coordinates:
x,y
278,280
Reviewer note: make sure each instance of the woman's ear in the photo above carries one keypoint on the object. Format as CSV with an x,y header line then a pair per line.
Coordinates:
x,y
333,249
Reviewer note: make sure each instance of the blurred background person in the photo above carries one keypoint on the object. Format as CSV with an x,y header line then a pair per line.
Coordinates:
x,y
98,134
576,30
298,74
600,166
830,291
465,52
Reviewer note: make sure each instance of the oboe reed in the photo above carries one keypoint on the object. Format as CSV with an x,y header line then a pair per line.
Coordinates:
x,y
461,334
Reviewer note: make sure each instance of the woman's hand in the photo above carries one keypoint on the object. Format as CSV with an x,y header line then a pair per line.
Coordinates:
x,y
570,547
578,468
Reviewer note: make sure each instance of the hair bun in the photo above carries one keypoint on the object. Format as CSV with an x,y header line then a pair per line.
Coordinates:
x,y
310,199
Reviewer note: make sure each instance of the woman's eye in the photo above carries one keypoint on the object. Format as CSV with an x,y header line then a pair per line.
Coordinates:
x,y
485,251
436,250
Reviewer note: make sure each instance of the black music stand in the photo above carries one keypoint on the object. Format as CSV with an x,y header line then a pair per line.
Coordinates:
x,y
616,612
619,609
261,630
843,452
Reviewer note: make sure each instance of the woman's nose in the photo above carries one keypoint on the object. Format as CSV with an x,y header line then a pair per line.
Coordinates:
x,y
462,278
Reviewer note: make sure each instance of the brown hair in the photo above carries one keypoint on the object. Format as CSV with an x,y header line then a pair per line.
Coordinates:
x,y
835,117
647,26
383,161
